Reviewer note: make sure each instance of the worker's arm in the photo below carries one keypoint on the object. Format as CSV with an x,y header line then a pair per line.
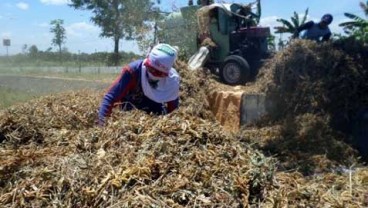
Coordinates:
x,y
172,105
326,37
302,27
305,26
118,89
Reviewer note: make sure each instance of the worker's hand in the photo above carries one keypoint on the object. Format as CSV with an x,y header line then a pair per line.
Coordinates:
x,y
100,122
295,35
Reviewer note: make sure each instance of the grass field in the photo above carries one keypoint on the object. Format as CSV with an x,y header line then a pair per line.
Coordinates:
x,y
106,77
86,73
10,97
20,87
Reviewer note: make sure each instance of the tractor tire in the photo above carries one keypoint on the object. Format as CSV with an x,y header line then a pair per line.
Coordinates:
x,y
235,70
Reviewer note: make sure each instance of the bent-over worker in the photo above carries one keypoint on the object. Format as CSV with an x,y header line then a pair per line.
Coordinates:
x,y
151,85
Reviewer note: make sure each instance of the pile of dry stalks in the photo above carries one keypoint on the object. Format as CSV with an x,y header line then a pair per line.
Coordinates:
x,y
53,155
317,91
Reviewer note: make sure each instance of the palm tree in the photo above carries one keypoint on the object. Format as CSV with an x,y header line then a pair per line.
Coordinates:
x,y
358,26
364,6
271,42
291,26
357,22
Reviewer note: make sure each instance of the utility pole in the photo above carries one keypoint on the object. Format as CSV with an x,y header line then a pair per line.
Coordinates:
x,y
79,63
98,61
6,43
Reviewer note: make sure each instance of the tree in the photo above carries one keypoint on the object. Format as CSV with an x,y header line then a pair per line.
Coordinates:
x,y
59,33
24,48
291,26
358,26
33,51
119,19
271,43
364,6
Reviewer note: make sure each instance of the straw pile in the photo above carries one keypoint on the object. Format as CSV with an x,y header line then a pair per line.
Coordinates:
x,y
317,78
317,90
53,155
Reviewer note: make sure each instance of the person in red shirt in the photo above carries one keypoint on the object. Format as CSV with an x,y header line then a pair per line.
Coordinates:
x,y
151,85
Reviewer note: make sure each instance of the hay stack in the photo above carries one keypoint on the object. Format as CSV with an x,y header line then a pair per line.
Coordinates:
x,y
317,90
52,155
316,78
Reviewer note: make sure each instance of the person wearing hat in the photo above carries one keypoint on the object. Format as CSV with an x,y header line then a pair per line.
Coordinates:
x,y
151,85
316,31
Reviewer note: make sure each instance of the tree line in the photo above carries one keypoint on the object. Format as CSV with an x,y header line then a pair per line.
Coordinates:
x,y
135,20
120,19
33,55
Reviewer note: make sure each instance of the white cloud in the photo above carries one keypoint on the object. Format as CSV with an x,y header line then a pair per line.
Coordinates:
x,y
81,29
340,20
55,2
22,5
335,28
6,35
270,21
44,24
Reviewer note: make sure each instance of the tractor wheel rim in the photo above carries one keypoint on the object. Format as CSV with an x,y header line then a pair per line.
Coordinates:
x,y
232,73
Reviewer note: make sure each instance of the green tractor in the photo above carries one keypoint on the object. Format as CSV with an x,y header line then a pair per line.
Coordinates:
x,y
223,37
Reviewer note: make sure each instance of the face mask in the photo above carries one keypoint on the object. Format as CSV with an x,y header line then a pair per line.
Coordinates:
x,y
153,78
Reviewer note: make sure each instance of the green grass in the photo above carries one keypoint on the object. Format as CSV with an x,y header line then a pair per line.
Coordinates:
x,y
70,75
87,76
10,97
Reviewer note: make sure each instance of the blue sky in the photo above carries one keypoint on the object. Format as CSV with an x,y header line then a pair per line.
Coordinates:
x,y
28,21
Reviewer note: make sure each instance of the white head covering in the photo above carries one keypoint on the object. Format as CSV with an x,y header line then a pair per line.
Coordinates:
x,y
162,58
167,88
